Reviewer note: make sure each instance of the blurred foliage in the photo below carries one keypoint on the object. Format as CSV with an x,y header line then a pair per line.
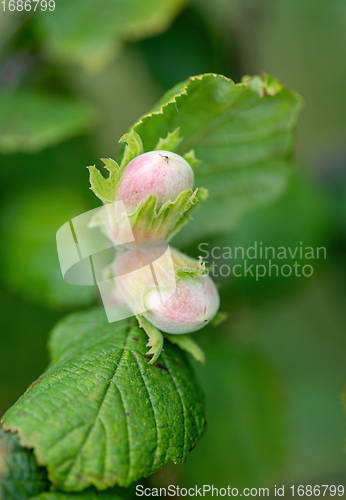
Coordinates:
x,y
275,370
23,354
207,50
30,121
302,217
90,33
305,341
124,91
344,402
245,434
85,495
30,224
80,32
20,477
294,38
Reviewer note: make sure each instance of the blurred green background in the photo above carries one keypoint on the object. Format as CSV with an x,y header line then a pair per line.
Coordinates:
x,y
71,83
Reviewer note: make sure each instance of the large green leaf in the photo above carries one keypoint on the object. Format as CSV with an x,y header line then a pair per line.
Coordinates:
x,y
89,33
30,120
20,476
244,135
101,415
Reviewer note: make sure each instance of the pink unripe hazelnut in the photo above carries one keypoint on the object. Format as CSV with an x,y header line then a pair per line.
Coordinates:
x,y
194,303
173,303
160,173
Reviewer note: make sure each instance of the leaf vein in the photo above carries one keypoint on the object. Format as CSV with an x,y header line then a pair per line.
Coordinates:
x,y
127,429
182,402
152,405
99,410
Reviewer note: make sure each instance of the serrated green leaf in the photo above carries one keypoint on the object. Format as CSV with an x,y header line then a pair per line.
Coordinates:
x,y
167,220
133,148
170,142
244,135
201,195
90,33
193,271
190,157
101,415
155,339
151,219
266,85
31,121
20,476
104,188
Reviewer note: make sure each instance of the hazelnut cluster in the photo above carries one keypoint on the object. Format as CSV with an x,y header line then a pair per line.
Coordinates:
x,y
165,289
